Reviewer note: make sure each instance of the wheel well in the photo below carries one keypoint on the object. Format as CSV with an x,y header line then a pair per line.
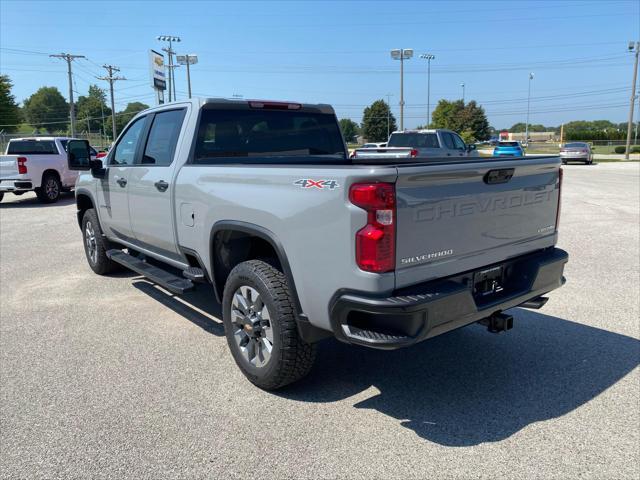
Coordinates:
x,y
46,172
84,203
231,247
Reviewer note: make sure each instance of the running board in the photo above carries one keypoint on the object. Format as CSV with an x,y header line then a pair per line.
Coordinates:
x,y
157,275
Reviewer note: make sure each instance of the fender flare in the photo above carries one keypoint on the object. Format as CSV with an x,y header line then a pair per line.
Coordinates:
x,y
307,331
87,193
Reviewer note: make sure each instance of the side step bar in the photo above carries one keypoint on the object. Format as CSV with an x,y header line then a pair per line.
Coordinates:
x,y
157,275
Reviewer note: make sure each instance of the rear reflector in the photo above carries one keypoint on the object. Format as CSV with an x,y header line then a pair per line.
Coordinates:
x,y
376,241
22,167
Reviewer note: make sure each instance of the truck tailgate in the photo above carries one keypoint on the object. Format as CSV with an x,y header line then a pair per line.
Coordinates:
x,y
8,166
457,217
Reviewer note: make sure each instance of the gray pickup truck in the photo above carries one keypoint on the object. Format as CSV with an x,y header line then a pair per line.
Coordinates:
x,y
260,201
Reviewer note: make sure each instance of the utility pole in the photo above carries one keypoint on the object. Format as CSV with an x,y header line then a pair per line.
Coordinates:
x,y
526,125
428,57
402,54
171,66
111,69
462,85
632,48
388,95
68,57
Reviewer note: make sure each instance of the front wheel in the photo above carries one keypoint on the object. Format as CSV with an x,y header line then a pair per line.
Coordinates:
x,y
49,191
95,244
260,326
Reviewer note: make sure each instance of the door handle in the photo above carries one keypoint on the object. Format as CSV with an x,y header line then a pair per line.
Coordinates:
x,y
122,182
161,185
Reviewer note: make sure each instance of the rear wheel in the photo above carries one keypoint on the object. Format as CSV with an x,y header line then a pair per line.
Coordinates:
x,y
260,326
95,245
49,191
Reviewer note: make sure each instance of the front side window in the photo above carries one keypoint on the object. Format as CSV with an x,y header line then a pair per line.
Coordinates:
x,y
292,136
448,140
32,147
125,151
458,142
163,137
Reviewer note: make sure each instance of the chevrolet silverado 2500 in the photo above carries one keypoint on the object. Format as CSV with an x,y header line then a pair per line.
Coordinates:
x,y
260,200
38,164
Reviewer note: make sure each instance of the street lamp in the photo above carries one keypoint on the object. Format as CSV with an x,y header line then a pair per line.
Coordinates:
x,y
402,54
428,57
526,125
187,60
633,48
171,66
462,85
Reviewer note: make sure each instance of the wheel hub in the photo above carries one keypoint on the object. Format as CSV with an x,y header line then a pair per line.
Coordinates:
x,y
252,326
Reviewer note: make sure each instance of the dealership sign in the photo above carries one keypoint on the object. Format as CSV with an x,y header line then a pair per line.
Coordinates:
x,y
157,70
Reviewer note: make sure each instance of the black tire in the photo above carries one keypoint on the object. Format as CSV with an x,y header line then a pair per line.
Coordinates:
x,y
21,192
98,260
1,196
49,192
290,357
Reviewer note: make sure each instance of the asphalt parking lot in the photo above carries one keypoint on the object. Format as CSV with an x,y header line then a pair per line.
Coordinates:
x,y
112,377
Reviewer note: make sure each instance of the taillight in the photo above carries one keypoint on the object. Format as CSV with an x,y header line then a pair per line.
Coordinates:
x,y
560,174
414,153
22,167
353,154
376,241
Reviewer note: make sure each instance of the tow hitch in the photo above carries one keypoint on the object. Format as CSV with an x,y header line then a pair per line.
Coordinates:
x,y
498,322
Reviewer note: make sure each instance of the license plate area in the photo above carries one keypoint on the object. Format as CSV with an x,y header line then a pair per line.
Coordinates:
x,y
488,282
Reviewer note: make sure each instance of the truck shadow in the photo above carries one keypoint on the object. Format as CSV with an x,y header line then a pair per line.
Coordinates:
x,y
29,200
198,306
470,387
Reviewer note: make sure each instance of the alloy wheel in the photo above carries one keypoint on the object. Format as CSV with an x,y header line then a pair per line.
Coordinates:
x,y
252,326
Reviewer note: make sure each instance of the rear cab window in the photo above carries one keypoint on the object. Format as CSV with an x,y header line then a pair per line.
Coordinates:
x,y
239,135
414,140
32,147
163,137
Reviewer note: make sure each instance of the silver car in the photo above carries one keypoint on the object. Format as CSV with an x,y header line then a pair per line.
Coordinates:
x,y
576,151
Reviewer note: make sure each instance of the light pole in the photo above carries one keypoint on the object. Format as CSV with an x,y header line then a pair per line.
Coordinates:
x,y
187,60
526,125
388,95
632,48
170,52
402,54
462,85
428,57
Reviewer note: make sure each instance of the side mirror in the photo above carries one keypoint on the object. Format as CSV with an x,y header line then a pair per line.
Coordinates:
x,y
471,147
79,155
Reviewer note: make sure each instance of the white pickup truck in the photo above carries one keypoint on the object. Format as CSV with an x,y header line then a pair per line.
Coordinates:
x,y
37,164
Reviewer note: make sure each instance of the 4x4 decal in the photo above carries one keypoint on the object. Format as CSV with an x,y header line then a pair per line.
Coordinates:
x,y
320,184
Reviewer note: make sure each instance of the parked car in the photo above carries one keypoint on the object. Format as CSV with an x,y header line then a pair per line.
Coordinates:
x,y
576,151
508,149
375,145
37,164
260,200
424,144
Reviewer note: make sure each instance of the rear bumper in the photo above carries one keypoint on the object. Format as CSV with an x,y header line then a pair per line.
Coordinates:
x,y
15,185
423,311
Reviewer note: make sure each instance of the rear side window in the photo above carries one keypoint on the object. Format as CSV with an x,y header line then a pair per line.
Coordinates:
x,y
293,137
414,140
32,147
163,137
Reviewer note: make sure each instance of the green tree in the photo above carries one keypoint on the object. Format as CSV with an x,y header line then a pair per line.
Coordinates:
x,y
469,120
521,127
9,110
349,129
47,109
92,107
377,121
125,116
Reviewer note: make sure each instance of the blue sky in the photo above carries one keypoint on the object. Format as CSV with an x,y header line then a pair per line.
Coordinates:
x,y
338,52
